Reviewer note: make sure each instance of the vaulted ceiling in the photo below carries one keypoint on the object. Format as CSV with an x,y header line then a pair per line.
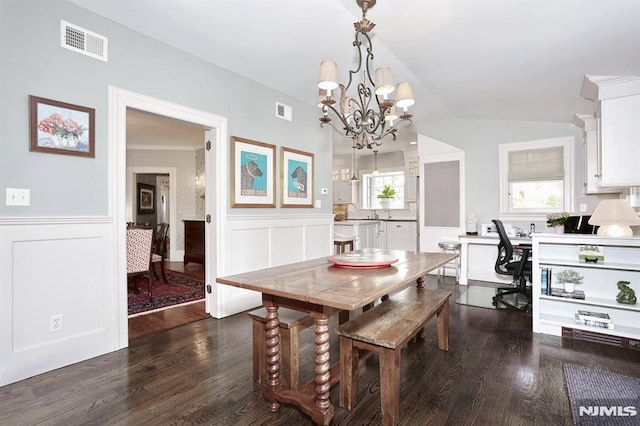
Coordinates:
x,y
470,59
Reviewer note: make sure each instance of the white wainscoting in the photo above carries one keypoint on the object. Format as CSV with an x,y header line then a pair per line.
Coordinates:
x,y
49,267
67,266
257,242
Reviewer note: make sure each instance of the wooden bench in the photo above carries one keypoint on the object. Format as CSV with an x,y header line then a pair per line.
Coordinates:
x,y
385,330
291,323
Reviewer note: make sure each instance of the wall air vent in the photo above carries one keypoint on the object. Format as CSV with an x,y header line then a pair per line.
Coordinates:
x,y
82,41
283,111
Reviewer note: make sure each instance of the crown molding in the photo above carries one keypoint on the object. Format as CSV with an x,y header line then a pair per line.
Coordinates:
x,y
601,87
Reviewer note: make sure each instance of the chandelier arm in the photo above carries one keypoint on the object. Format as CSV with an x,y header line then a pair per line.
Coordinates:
x,y
369,59
358,45
339,131
342,119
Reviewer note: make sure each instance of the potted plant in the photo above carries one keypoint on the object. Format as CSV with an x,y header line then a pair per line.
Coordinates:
x,y
569,279
386,196
557,221
338,215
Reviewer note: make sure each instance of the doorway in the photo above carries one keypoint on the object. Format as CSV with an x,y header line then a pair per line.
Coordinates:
x,y
214,134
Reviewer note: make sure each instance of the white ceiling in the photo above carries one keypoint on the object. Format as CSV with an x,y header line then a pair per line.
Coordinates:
x,y
470,59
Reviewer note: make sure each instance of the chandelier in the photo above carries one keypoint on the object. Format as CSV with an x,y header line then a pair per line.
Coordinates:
x,y
367,117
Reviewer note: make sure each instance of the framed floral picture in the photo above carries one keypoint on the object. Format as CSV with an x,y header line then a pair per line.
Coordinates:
x,y
296,178
253,180
61,128
146,198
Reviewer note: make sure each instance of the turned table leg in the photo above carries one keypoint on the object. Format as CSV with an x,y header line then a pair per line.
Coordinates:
x,y
323,407
272,335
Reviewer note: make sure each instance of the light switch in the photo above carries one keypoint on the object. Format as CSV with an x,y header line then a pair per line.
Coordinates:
x,y
318,204
18,197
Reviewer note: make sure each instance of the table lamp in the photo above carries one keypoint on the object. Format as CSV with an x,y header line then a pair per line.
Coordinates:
x,y
614,218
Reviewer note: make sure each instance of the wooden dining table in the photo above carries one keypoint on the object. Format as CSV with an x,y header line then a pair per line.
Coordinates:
x,y
323,289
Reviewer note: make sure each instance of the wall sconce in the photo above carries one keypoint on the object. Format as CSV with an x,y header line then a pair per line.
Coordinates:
x,y
614,217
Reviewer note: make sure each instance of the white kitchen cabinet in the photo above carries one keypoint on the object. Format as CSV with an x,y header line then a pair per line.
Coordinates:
x,y
344,192
617,108
411,173
592,179
344,189
555,315
401,235
620,132
363,232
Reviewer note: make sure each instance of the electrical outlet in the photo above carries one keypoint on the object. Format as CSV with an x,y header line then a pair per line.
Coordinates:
x,y
55,322
583,208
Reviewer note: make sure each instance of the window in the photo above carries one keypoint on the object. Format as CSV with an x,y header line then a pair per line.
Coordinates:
x,y
536,177
373,185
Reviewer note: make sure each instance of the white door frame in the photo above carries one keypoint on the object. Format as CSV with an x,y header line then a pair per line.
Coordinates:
x,y
119,101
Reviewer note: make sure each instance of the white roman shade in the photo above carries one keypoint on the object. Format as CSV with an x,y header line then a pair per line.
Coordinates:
x,y
536,164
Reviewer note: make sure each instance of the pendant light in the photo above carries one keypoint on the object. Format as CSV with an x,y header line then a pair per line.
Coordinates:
x,y
375,160
354,178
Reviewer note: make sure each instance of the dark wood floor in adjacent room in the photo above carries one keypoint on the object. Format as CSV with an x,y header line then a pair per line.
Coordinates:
x,y
496,372
172,317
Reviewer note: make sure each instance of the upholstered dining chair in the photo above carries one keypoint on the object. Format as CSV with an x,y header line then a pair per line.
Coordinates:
x,y
139,242
159,252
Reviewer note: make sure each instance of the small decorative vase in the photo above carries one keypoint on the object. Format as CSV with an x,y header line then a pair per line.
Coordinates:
x,y
68,140
559,229
569,287
386,203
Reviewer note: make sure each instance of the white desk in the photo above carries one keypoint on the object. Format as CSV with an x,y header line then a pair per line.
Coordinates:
x,y
478,258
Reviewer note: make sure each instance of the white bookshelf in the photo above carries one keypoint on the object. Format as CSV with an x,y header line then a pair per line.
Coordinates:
x,y
621,263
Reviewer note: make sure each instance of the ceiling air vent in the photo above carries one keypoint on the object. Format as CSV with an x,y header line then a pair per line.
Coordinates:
x,y
82,41
283,111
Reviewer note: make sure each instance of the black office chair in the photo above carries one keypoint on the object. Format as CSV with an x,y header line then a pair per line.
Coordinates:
x,y
515,262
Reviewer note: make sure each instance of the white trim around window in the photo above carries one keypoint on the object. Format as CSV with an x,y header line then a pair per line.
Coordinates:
x,y
568,145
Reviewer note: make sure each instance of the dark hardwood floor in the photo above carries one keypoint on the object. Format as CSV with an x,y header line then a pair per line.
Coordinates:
x,y
496,372
172,317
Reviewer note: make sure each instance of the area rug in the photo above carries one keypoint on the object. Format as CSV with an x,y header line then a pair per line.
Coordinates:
x,y
599,397
481,297
180,289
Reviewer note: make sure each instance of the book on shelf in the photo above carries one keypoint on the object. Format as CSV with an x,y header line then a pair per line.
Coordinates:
x,y
594,316
559,292
594,323
545,280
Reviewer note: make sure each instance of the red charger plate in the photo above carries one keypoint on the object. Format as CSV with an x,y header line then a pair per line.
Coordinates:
x,y
363,260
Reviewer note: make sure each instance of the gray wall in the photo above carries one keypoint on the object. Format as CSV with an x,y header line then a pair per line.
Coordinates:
x,y
34,64
480,139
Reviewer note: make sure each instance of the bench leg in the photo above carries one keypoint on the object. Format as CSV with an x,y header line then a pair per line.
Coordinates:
x,y
390,385
443,326
259,352
343,316
349,360
289,343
